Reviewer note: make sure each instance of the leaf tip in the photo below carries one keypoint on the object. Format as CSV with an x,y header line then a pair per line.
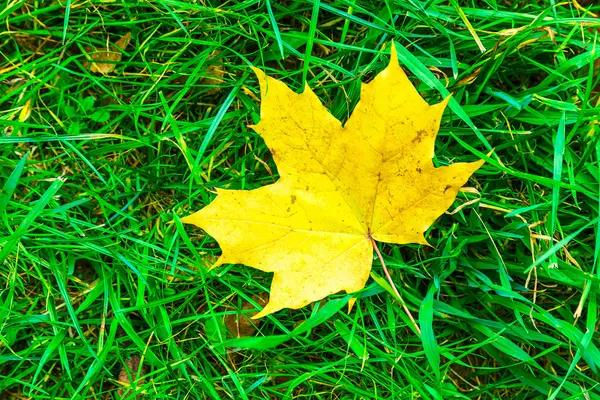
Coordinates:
x,y
424,242
393,54
268,309
257,316
123,42
259,73
193,219
441,106
307,88
262,79
263,313
351,304
479,163
220,261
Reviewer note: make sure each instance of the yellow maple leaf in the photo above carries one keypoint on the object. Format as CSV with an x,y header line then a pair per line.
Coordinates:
x,y
340,187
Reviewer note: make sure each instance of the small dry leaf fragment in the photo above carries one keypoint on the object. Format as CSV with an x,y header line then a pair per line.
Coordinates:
x,y
25,111
215,72
26,40
241,324
128,377
104,61
340,188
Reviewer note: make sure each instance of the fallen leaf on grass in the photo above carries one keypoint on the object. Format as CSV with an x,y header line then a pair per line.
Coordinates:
x,y
104,61
340,188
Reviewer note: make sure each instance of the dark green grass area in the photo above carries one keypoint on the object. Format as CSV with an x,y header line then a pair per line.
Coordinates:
x,y
98,273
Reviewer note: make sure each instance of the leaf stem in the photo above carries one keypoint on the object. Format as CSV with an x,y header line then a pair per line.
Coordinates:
x,y
389,278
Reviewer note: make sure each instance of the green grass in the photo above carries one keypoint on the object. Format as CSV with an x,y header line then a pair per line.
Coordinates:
x,y
96,171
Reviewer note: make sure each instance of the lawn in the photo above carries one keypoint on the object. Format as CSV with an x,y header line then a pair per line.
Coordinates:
x,y
105,293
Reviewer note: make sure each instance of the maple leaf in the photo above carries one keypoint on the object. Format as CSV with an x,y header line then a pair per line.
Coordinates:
x,y
340,187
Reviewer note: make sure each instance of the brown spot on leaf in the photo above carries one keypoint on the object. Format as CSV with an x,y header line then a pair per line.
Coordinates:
x,y
293,199
419,137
